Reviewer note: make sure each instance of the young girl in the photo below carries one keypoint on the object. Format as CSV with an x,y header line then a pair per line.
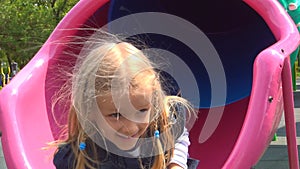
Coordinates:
x,y
119,116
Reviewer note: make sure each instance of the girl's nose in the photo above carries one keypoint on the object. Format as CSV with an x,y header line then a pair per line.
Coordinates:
x,y
129,128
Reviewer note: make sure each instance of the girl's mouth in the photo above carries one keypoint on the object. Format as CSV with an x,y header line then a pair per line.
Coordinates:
x,y
127,137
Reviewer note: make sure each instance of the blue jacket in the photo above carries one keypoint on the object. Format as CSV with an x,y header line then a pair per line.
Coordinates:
x,y
64,159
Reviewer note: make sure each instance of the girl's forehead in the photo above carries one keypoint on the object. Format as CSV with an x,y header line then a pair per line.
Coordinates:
x,y
136,99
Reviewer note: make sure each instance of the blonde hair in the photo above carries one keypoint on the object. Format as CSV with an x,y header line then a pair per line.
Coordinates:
x,y
106,58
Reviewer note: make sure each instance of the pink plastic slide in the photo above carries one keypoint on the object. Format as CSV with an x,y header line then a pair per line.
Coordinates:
x,y
255,57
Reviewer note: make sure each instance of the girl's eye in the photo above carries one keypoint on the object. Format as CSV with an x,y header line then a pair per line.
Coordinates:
x,y
143,110
116,115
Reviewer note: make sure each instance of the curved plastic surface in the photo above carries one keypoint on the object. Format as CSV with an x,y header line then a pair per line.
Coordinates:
x,y
244,132
225,30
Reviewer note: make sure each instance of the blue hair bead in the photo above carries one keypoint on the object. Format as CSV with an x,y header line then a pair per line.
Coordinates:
x,y
156,134
82,146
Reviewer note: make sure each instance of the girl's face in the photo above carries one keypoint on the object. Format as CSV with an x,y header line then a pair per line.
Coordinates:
x,y
125,117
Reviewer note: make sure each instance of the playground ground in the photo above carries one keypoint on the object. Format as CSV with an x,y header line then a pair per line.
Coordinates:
x,y
275,157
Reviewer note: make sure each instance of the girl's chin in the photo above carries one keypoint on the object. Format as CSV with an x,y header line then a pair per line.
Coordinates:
x,y
123,142
126,147
126,144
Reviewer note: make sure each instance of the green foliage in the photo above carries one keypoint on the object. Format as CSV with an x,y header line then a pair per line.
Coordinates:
x,y
26,24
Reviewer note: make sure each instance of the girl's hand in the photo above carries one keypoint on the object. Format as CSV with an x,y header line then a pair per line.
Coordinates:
x,y
174,166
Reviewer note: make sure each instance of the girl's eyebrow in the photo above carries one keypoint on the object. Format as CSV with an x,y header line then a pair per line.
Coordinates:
x,y
113,110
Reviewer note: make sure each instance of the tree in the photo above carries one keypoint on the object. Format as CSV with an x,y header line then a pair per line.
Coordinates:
x,y
26,24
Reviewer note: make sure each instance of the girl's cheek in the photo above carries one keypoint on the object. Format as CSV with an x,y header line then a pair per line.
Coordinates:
x,y
114,124
144,126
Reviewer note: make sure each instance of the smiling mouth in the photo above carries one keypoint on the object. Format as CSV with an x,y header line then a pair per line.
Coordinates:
x,y
127,137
